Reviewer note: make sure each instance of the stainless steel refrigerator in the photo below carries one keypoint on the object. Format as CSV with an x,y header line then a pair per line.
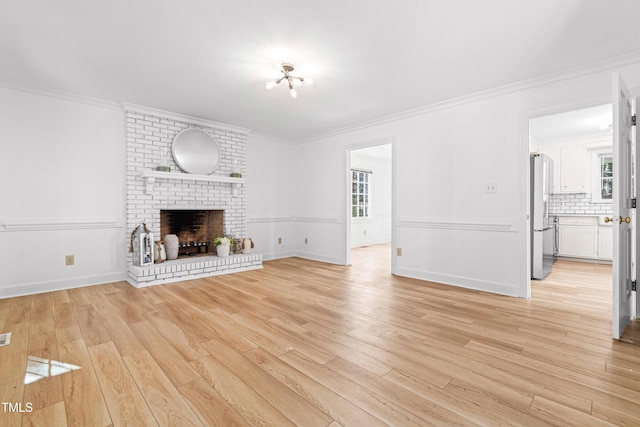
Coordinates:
x,y
543,245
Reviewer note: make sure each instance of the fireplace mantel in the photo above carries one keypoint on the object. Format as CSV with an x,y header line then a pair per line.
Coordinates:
x,y
150,177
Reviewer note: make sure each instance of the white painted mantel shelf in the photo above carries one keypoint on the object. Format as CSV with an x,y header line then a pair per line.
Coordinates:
x,y
150,177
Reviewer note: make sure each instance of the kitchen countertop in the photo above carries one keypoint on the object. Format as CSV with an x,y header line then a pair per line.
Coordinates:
x,y
599,216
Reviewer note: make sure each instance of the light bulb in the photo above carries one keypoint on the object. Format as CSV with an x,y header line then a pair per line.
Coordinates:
x,y
270,85
296,82
294,94
308,81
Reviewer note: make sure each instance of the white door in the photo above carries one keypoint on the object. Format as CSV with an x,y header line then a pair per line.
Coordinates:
x,y
622,195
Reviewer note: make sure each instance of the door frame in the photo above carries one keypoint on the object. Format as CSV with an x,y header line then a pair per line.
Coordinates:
x,y
385,140
526,166
525,118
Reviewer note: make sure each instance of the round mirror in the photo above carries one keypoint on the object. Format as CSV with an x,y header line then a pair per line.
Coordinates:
x,y
195,151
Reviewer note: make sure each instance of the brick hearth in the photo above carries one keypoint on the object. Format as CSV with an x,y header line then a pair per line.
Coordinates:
x,y
192,268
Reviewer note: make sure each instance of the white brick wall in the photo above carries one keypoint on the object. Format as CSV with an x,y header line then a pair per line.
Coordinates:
x,y
146,136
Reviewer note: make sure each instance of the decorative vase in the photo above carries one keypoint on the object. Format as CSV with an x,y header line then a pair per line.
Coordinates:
x,y
160,254
171,246
237,246
223,250
247,245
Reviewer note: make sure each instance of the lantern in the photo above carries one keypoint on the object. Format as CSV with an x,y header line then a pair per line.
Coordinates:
x,y
142,246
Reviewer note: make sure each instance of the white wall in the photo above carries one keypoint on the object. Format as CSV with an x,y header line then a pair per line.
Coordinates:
x,y
450,230
61,192
377,228
271,199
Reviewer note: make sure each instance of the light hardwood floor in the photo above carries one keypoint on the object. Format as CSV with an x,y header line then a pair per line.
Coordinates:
x,y
312,344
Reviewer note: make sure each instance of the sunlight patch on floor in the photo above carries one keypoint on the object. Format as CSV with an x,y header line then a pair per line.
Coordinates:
x,y
39,368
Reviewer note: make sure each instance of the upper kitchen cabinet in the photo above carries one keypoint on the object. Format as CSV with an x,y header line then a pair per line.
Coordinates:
x,y
571,138
569,171
572,175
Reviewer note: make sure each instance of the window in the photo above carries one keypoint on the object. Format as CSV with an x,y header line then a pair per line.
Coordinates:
x,y
606,176
360,190
602,172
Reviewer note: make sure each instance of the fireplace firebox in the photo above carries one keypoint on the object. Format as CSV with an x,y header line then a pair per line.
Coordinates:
x,y
196,229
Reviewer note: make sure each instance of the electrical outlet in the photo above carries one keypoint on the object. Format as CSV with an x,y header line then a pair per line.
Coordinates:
x,y
490,187
306,240
398,251
365,232
279,240
69,260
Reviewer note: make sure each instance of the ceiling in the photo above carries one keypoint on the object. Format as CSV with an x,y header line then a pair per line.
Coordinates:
x,y
368,58
591,122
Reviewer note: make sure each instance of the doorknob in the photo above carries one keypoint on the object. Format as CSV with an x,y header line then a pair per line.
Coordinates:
x,y
627,220
608,219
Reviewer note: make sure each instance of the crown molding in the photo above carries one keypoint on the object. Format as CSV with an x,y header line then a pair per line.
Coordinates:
x,y
134,108
57,94
273,138
548,79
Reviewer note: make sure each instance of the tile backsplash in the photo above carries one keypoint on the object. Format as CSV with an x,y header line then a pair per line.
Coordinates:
x,y
577,204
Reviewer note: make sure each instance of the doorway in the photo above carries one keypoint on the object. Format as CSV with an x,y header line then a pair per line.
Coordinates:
x,y
579,142
369,201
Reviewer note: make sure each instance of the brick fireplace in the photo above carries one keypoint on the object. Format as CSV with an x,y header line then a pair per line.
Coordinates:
x,y
212,207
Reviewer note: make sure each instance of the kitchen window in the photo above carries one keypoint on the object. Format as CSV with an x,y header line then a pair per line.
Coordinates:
x,y
602,172
360,193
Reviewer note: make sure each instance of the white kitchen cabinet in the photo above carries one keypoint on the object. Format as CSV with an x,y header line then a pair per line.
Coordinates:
x,y
572,169
578,237
569,166
605,242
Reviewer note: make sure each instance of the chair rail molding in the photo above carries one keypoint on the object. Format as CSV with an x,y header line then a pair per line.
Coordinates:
x,y
319,219
42,224
458,224
269,219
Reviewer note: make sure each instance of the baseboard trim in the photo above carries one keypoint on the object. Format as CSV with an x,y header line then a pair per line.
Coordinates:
x,y
277,255
370,243
60,285
319,257
459,281
585,260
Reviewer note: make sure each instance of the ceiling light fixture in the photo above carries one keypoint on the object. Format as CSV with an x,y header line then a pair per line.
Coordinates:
x,y
293,81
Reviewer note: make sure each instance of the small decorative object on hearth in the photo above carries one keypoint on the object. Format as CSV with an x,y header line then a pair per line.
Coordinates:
x,y
223,245
171,246
236,248
159,253
142,245
247,245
